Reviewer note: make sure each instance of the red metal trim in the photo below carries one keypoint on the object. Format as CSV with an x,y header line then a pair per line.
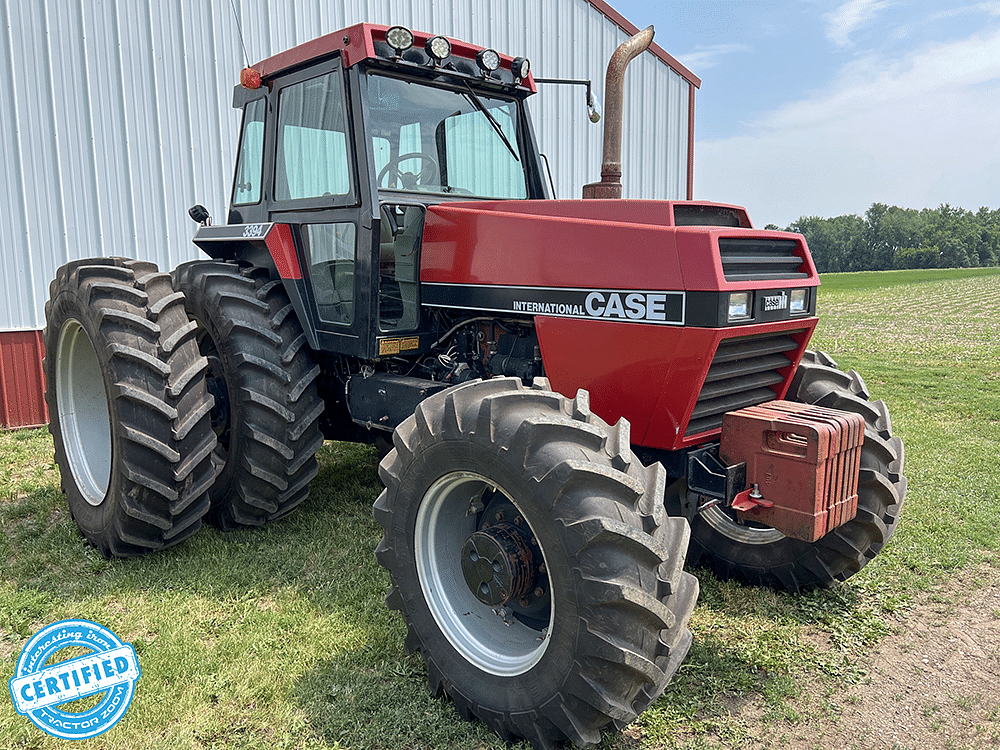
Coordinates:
x,y
282,248
690,165
685,375
22,380
630,28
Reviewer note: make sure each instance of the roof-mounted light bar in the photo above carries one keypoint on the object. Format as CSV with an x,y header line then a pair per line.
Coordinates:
x,y
438,49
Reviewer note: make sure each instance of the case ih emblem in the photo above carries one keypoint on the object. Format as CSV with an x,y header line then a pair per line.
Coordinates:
x,y
776,302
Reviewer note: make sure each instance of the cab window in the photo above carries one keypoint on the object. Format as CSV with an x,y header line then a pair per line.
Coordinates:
x,y
331,255
434,140
249,164
312,159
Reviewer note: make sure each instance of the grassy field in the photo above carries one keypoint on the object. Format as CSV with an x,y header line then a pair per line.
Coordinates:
x,y
278,638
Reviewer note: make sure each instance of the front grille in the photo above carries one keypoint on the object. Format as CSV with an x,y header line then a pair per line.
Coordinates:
x,y
742,373
748,259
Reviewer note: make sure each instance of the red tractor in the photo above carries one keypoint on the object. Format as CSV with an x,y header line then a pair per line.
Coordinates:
x,y
393,271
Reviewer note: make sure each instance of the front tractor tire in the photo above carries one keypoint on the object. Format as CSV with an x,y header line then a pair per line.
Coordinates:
x,y
128,405
263,378
762,555
533,561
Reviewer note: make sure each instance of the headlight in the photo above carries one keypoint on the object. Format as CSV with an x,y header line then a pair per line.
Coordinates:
x,y
399,38
438,47
799,301
739,306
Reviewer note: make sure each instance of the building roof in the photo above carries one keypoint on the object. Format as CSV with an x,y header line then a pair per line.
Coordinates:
x,y
654,48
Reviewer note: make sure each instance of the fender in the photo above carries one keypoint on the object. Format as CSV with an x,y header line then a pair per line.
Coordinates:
x,y
271,246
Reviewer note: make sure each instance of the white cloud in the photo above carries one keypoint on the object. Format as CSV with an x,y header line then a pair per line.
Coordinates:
x,y
704,57
990,8
850,17
915,132
872,82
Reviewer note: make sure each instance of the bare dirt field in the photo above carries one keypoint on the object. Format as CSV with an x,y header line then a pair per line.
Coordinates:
x,y
934,684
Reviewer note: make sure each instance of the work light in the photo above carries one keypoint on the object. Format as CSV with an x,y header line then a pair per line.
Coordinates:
x,y
438,47
488,60
399,38
520,67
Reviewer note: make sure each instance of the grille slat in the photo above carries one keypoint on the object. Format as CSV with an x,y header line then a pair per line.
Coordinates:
x,y
708,416
742,374
745,367
737,385
749,259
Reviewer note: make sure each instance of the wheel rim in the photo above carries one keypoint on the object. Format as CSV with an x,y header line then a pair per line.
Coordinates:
x,y
725,524
492,639
84,414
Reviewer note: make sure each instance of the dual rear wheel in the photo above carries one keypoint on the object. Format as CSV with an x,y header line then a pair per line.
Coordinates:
x,y
129,410
172,400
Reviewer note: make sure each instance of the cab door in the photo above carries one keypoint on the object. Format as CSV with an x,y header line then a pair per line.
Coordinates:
x,y
315,190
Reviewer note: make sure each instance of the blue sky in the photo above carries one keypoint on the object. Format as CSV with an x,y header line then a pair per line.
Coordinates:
x,y
814,108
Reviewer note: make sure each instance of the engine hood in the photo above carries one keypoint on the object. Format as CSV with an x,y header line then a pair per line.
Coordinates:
x,y
607,244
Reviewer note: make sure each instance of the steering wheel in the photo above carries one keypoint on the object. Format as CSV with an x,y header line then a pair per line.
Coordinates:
x,y
429,168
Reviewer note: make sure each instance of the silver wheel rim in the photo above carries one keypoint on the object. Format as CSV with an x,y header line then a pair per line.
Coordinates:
x,y
495,644
724,524
84,415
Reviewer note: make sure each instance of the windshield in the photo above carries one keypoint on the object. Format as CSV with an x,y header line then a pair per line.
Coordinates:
x,y
433,140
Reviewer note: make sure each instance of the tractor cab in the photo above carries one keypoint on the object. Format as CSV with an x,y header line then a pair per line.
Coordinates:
x,y
347,140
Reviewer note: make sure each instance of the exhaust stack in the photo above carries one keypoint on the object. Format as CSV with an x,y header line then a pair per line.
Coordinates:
x,y
610,185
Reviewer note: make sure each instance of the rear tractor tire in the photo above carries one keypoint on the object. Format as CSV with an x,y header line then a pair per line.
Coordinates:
x,y
762,555
263,377
533,561
128,405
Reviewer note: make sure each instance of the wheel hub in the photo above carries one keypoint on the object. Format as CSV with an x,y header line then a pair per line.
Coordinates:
x,y
499,565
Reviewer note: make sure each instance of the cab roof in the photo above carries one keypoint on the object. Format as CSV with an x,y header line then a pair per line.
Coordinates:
x,y
365,41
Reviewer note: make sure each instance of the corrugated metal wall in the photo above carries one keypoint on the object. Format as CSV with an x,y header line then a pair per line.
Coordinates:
x,y
115,116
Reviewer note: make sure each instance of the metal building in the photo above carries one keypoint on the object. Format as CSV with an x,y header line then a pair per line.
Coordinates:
x,y
115,117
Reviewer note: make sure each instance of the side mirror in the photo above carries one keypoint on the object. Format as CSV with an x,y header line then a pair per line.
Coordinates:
x,y
200,214
593,103
593,107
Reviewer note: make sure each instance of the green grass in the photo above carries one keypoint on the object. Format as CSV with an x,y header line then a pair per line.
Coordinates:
x,y
838,282
279,638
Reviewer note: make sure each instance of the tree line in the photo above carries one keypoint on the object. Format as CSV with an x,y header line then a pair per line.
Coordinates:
x,y
888,237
